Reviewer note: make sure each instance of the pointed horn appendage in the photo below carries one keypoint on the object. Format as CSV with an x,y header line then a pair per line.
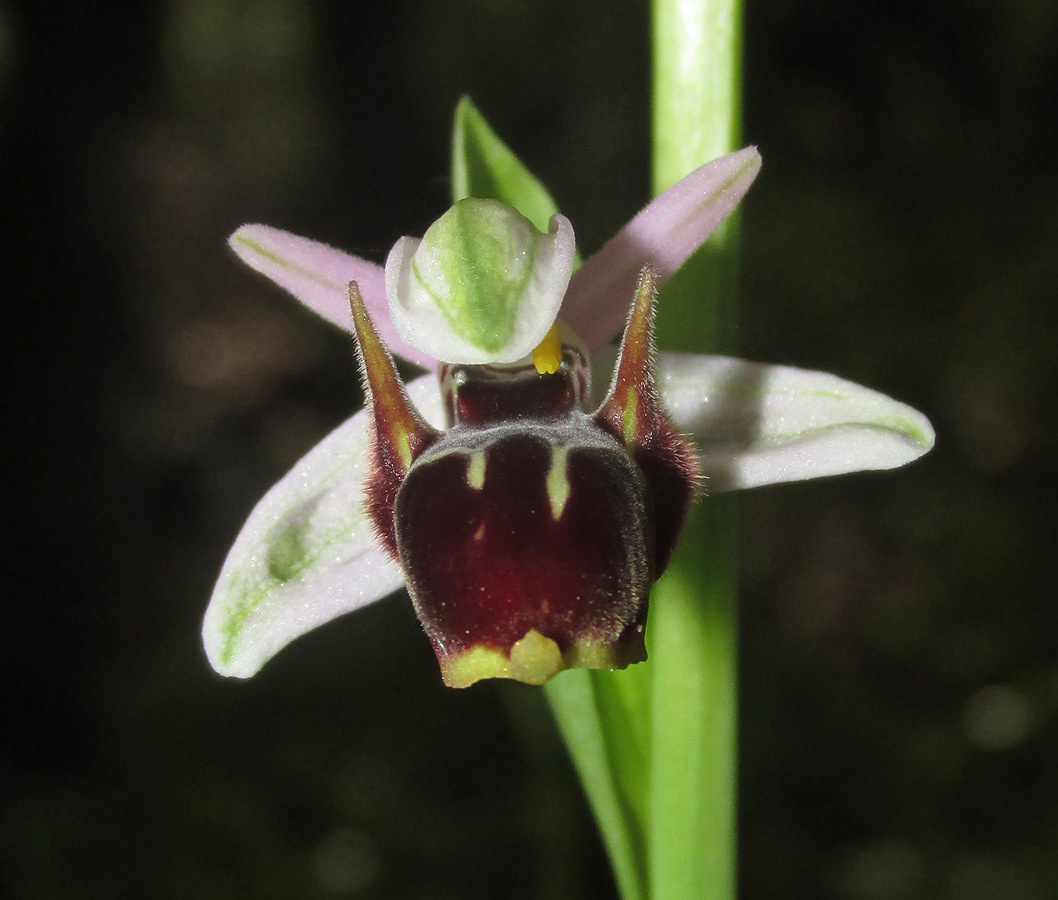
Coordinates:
x,y
400,433
632,413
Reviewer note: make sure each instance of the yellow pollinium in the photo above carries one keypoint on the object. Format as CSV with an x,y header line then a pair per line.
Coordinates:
x,y
548,353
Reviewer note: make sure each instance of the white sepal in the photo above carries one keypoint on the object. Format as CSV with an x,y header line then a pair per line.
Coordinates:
x,y
307,553
757,424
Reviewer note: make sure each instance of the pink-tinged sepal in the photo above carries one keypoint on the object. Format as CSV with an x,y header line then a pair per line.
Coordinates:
x,y
633,413
399,433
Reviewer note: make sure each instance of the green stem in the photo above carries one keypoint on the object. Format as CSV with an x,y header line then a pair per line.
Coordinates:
x,y
697,84
693,620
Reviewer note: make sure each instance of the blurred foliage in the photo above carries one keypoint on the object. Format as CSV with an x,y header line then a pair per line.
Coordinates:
x,y
899,631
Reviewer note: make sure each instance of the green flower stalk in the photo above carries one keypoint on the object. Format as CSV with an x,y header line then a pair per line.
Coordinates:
x,y
696,113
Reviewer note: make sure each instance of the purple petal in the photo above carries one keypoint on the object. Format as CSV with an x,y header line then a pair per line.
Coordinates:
x,y
318,275
663,235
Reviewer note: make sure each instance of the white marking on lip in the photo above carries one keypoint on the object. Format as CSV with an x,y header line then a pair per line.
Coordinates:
x,y
558,481
476,470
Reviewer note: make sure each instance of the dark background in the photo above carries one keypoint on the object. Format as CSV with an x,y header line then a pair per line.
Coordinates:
x,y
900,682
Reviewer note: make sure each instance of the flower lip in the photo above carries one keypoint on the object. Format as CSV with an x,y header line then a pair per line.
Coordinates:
x,y
537,533
530,532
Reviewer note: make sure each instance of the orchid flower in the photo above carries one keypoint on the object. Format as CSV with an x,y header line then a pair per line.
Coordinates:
x,y
582,493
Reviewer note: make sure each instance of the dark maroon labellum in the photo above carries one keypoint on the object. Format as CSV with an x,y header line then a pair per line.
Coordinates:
x,y
530,532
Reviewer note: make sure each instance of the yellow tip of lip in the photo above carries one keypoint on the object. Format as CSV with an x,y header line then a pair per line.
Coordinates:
x,y
548,354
